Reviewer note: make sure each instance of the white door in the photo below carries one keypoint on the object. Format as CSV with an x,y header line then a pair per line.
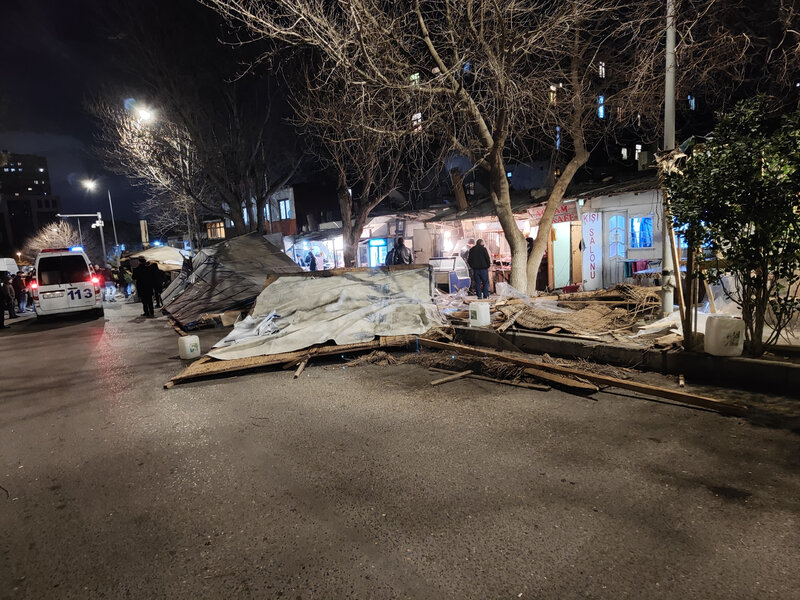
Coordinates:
x,y
422,246
615,247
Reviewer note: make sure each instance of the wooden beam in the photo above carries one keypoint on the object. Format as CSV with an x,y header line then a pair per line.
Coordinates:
x,y
561,380
452,377
642,388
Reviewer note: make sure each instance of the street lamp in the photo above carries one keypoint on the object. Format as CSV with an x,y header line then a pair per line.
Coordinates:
x,y
91,185
98,224
19,257
144,114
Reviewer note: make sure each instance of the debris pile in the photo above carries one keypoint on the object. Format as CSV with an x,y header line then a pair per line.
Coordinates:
x,y
224,277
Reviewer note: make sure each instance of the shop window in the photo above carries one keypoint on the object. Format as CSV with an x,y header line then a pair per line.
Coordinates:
x,y
216,230
285,207
601,107
641,232
616,237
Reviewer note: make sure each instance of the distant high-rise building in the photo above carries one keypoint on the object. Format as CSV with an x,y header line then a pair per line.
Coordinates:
x,y
26,204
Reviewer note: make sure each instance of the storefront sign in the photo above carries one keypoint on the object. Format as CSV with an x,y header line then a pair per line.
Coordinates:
x,y
564,213
592,250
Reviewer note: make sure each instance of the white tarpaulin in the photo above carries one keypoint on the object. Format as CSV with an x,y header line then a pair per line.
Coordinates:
x,y
348,308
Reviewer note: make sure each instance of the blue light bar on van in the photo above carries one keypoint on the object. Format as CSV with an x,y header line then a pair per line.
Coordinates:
x,y
76,249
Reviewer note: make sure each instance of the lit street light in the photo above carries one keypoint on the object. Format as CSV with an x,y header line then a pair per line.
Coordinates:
x,y
91,185
144,114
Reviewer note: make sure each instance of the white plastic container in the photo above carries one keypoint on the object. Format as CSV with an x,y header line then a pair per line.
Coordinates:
x,y
724,335
479,314
189,347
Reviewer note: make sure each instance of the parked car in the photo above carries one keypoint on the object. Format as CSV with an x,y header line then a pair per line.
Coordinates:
x,y
65,283
450,273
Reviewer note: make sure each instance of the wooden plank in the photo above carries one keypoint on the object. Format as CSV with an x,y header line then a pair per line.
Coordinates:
x,y
523,384
642,388
452,377
206,366
562,380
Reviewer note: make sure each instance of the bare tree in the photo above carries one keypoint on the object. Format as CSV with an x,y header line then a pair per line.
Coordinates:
x,y
494,79
60,234
361,135
217,145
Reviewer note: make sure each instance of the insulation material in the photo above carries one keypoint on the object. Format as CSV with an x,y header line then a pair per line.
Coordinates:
x,y
226,276
347,308
590,320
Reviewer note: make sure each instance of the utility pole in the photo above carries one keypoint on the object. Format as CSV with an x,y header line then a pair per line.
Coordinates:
x,y
113,224
667,264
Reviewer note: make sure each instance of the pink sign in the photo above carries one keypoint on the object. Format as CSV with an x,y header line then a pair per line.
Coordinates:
x,y
592,226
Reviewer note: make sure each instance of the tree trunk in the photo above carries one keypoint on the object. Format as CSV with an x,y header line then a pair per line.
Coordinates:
x,y
349,236
546,224
501,198
238,222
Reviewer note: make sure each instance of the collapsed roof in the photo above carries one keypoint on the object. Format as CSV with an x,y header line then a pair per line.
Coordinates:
x,y
226,276
346,306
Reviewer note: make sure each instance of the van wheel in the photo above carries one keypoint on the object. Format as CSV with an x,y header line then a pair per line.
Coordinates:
x,y
99,312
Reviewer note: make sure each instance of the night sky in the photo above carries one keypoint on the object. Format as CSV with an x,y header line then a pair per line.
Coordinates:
x,y
54,54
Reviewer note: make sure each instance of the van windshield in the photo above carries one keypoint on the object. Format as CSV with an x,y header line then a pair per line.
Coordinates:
x,y
55,270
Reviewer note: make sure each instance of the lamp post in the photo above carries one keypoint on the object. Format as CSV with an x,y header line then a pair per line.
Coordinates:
x,y
98,224
91,185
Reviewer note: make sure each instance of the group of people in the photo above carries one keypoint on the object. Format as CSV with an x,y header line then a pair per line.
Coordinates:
x,y
15,295
149,285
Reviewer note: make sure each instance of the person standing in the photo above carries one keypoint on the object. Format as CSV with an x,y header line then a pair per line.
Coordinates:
x,y
465,255
6,300
158,282
144,287
480,261
20,291
311,261
399,255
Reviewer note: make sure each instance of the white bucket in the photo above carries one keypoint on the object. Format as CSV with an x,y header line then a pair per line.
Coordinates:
x,y
724,335
479,314
189,347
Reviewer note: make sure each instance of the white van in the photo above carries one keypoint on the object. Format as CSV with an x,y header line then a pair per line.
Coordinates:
x,y
65,283
8,266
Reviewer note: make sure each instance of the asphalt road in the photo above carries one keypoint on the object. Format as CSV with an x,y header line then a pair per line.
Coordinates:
x,y
365,482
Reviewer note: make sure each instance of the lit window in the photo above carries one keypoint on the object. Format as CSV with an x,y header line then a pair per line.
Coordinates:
x,y
638,119
41,170
692,103
416,121
14,170
638,152
286,209
601,70
414,79
641,233
558,137
467,67
601,107
6,169
616,236
552,94
509,174
266,213
624,154
469,188
216,230
30,189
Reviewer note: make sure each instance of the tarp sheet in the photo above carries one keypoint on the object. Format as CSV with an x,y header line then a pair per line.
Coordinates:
x,y
354,306
226,276
167,257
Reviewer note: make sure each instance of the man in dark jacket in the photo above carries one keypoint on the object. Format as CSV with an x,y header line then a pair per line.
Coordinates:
x,y
6,300
399,255
480,261
143,276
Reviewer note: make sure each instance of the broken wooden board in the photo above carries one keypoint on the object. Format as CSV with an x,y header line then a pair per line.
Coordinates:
x,y
642,388
523,384
207,367
561,380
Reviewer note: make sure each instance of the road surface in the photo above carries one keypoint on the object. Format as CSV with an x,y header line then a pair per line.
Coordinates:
x,y
365,482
